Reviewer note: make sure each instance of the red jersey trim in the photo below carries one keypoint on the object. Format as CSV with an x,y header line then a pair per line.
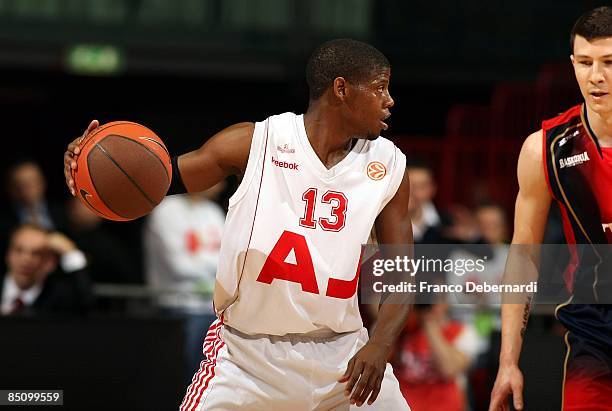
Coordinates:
x,y
562,118
544,150
546,126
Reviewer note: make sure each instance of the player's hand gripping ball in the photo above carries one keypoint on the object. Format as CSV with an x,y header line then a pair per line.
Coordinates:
x,y
123,171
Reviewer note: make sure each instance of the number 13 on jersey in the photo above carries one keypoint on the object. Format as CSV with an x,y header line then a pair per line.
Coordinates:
x,y
303,272
338,211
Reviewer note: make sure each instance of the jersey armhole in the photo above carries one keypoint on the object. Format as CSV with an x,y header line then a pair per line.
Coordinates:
x,y
256,151
545,161
397,175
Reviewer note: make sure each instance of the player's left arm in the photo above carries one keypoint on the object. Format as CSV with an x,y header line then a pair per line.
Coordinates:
x,y
366,369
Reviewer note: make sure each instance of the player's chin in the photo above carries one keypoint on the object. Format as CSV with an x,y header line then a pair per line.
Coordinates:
x,y
373,135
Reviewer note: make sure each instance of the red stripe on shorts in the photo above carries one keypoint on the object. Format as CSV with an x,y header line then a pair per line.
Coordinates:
x,y
207,347
212,343
211,373
204,368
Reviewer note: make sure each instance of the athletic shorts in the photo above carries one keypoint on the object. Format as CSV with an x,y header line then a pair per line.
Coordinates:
x,y
587,383
293,373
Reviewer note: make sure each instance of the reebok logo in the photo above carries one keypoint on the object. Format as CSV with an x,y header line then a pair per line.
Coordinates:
x,y
574,160
284,164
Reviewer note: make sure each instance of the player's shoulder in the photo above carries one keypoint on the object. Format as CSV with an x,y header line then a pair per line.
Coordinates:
x,y
380,143
533,142
235,138
531,165
278,125
573,113
533,147
384,147
287,118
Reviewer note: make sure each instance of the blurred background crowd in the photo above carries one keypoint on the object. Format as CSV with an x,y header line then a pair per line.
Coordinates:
x,y
470,80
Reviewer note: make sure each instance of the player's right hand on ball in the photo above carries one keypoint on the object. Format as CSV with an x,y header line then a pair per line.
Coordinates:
x,y
71,154
509,381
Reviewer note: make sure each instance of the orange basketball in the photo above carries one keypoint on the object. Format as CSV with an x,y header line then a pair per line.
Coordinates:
x,y
123,171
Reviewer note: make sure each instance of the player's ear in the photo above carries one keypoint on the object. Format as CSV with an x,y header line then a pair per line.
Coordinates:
x,y
572,59
340,88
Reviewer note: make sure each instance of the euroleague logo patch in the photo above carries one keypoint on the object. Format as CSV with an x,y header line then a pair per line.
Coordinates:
x,y
376,170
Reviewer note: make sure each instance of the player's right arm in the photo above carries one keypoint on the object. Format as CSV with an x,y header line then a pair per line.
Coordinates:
x,y
226,153
531,211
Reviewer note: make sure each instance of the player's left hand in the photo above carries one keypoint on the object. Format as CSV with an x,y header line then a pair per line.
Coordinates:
x,y
71,154
365,372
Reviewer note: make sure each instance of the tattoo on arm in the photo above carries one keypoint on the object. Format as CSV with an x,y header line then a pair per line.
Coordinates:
x,y
526,315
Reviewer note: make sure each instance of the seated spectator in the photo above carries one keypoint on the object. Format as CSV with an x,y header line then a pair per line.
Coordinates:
x,y
428,227
182,239
109,259
26,187
434,353
46,272
481,310
423,213
492,227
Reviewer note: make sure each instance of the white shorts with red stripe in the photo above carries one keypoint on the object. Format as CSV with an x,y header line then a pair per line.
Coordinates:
x,y
293,373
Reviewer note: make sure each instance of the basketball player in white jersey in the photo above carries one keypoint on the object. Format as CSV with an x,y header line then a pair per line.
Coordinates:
x,y
289,335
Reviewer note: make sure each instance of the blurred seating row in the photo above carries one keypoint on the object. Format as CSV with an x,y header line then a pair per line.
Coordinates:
x,y
476,160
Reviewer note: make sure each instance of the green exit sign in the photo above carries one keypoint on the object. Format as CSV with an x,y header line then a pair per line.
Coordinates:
x,y
94,59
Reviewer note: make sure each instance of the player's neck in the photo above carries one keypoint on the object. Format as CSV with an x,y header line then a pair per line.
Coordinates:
x,y
326,134
601,126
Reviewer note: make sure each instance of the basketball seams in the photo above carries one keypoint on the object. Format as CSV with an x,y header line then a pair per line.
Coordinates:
x,y
93,183
159,143
146,196
88,203
146,148
98,130
132,165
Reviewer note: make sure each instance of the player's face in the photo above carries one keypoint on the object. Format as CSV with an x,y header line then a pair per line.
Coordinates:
x,y
592,62
371,105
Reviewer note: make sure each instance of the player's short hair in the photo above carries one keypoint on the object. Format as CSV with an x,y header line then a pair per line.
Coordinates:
x,y
593,24
351,59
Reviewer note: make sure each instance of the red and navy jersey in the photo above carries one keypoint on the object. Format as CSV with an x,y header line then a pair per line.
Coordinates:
x,y
579,176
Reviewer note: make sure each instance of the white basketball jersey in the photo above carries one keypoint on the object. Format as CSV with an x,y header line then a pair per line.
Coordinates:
x,y
294,229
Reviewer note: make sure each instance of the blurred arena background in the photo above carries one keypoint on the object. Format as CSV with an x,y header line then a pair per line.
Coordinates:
x,y
470,80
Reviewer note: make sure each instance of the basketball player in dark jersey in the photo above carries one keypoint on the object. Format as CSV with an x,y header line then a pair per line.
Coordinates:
x,y
570,161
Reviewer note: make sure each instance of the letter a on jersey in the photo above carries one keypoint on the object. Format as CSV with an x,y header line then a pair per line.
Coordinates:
x,y
276,265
